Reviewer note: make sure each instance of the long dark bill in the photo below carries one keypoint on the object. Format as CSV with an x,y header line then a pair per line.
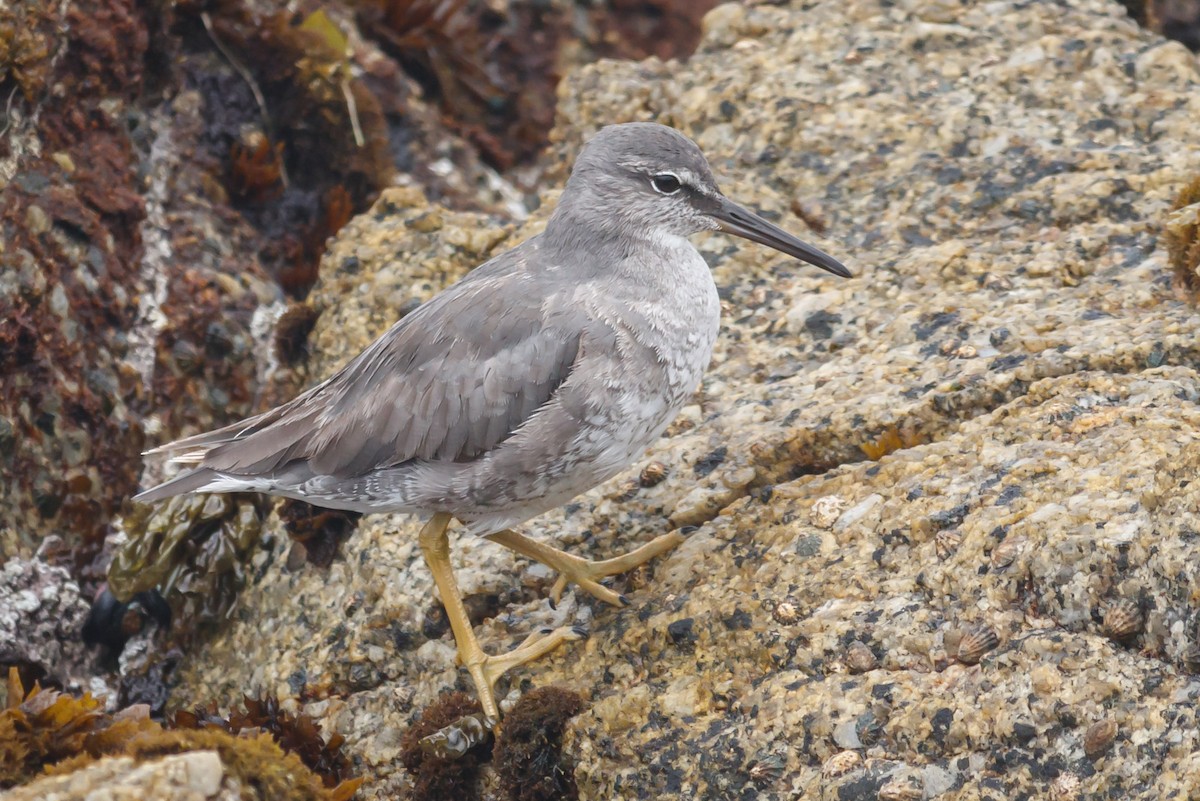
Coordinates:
x,y
734,219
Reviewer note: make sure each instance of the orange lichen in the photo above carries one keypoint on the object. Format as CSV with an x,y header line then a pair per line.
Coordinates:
x,y
892,439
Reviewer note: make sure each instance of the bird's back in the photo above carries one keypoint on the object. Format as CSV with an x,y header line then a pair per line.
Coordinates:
x,y
447,382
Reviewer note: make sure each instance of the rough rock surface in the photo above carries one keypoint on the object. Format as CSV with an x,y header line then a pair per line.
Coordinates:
x,y
41,615
146,228
194,776
946,511
115,293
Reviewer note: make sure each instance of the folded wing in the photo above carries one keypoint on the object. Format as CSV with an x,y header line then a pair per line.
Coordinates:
x,y
447,383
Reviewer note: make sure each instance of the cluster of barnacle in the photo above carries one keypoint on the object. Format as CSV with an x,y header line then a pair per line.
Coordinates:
x,y
191,549
443,751
45,731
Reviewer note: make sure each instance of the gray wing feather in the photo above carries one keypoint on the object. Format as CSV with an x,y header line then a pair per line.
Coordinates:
x,y
446,383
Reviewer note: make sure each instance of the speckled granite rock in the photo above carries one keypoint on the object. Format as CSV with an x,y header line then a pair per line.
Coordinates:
x,y
194,776
946,510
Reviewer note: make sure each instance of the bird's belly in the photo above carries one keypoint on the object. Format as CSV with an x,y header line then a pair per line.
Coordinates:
x,y
560,454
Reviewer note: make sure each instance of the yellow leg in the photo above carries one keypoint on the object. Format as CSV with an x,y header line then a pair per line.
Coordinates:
x,y
576,570
484,669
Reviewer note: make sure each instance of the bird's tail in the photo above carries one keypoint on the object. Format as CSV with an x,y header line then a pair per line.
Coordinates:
x,y
190,481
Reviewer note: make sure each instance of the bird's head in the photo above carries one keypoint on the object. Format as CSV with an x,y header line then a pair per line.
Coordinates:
x,y
647,180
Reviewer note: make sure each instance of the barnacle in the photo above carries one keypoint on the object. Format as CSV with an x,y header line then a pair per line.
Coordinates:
x,y
841,763
902,788
1099,738
1007,551
1065,787
652,474
435,778
1123,620
860,658
767,769
976,644
946,543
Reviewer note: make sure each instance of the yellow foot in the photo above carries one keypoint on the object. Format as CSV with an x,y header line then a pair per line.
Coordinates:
x,y
486,670
451,742
585,573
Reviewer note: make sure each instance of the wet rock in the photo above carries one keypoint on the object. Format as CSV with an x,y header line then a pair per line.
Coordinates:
x,y
155,217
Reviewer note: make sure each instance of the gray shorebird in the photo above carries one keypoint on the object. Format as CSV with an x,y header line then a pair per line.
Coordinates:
x,y
542,373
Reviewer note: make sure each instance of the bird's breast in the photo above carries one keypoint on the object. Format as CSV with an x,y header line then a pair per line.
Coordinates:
x,y
665,328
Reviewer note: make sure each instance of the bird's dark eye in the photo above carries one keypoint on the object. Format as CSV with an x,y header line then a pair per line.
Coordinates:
x,y
665,184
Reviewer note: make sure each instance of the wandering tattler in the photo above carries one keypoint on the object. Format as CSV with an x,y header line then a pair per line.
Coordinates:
x,y
542,373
